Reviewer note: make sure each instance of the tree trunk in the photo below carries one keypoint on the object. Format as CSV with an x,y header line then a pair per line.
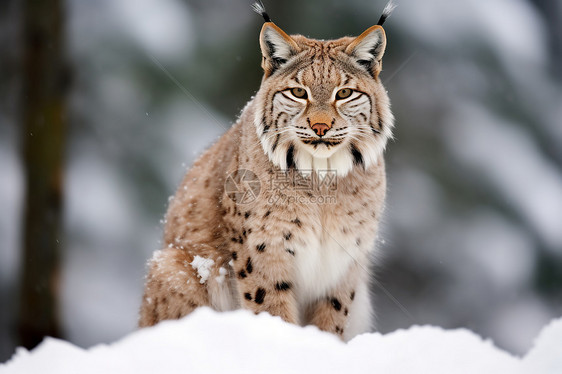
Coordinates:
x,y
44,87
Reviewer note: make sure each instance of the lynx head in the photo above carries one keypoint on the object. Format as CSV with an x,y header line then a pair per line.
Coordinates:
x,y
321,104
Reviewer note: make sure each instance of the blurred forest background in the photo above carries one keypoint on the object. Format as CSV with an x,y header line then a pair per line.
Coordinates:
x,y
136,89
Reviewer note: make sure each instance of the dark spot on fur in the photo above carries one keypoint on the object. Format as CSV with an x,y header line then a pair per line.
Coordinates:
x,y
260,247
350,213
276,143
260,296
291,157
249,230
249,267
247,296
242,274
282,286
380,126
290,251
358,241
297,222
335,303
240,240
155,313
339,330
207,183
244,233
234,255
345,312
352,296
357,156
267,213
288,236
234,240
247,214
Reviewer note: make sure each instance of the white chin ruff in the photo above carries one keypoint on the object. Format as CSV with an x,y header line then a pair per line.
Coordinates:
x,y
323,159
306,160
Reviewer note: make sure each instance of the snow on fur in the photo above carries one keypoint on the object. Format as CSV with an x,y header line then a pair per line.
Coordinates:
x,y
240,342
203,267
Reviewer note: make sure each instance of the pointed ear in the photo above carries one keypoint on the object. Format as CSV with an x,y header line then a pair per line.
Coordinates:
x,y
368,48
276,47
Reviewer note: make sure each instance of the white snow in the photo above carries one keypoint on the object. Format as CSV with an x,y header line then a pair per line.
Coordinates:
x,y
519,36
240,342
474,134
167,34
222,274
203,267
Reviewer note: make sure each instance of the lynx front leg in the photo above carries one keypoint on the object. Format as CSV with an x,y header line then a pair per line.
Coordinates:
x,y
180,281
346,311
172,289
264,271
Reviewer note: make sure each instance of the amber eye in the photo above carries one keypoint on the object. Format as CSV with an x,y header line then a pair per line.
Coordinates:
x,y
299,92
344,93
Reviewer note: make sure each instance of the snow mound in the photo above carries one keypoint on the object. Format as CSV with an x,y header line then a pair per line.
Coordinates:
x,y
240,342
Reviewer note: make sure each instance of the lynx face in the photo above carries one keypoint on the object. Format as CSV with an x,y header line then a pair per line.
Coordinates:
x,y
321,105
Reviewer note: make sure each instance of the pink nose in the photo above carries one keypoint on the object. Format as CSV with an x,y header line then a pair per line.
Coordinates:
x,y
320,128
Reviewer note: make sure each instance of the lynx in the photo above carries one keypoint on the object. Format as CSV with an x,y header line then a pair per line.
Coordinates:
x,y
281,213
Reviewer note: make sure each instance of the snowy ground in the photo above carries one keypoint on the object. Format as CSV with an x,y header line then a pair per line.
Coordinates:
x,y
239,342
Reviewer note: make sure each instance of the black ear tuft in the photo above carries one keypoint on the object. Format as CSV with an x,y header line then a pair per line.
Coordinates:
x,y
387,11
259,8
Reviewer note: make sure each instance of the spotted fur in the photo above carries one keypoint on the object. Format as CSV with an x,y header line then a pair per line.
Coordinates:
x,y
284,252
